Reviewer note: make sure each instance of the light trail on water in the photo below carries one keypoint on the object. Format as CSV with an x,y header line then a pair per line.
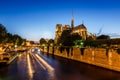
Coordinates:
x,y
48,66
30,71
38,62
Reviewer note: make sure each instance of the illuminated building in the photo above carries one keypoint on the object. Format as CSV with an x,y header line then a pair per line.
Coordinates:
x,y
80,29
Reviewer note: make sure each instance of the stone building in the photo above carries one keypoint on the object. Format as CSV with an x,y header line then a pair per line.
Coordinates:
x,y
58,32
80,29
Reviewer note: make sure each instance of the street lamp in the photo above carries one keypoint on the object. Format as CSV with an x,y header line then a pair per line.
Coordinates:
x,y
15,46
81,44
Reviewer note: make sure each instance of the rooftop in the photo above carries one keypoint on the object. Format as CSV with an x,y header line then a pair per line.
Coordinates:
x,y
81,26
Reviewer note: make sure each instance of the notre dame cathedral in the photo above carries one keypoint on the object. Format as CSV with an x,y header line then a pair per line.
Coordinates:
x,y
80,29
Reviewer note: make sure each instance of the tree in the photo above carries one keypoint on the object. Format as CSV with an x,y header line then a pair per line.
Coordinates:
x,y
6,37
3,33
51,41
23,42
42,41
68,39
32,42
9,37
103,37
65,38
3,30
17,39
75,36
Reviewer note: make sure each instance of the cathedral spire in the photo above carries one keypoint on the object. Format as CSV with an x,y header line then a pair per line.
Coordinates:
x,y
72,22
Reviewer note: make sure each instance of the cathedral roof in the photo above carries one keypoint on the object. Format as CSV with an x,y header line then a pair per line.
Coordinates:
x,y
81,26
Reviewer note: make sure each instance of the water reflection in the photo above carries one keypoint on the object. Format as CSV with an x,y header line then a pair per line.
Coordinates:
x,y
3,72
51,75
66,69
30,71
50,69
9,72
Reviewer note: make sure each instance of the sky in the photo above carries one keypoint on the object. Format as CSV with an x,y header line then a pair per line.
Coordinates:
x,y
35,19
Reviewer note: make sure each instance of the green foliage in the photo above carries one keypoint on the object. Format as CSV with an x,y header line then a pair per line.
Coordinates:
x,y
3,33
79,43
51,41
76,36
9,38
102,42
64,39
6,37
32,42
103,37
17,39
42,41
3,30
99,42
95,43
68,39
23,42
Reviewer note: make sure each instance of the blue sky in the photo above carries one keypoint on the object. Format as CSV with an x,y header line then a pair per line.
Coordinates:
x,y
33,19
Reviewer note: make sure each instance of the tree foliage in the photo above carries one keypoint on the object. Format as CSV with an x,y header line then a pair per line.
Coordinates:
x,y
42,41
3,32
64,39
17,39
32,42
100,41
67,38
51,41
6,37
103,37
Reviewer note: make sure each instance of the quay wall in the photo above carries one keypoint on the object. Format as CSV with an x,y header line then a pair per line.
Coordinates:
x,y
106,58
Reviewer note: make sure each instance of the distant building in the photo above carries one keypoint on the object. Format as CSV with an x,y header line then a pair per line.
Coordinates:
x,y
80,29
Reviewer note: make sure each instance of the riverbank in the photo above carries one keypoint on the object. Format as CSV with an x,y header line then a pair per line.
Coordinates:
x,y
106,58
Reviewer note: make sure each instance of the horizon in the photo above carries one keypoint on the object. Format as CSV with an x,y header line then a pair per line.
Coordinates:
x,y
34,19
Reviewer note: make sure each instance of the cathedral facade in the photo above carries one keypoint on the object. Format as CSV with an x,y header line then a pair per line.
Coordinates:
x,y
80,29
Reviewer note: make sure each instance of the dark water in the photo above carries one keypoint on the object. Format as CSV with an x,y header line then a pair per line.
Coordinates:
x,y
17,70
9,72
64,69
73,70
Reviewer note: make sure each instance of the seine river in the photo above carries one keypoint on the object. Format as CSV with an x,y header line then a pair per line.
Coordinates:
x,y
64,69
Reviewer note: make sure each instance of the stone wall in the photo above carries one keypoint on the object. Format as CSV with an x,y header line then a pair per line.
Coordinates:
x,y
106,58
